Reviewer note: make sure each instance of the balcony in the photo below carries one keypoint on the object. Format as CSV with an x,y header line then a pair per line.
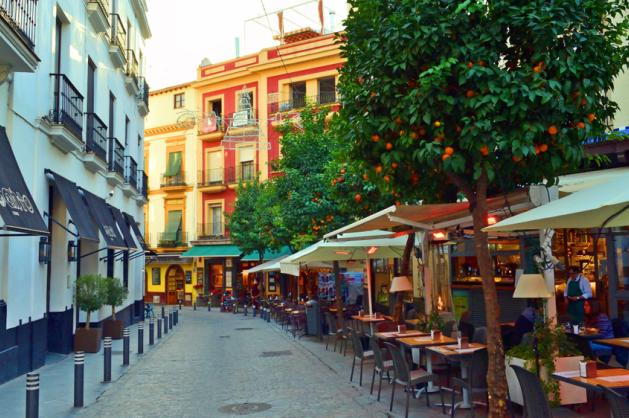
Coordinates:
x,y
299,102
242,119
64,122
178,180
17,36
172,239
98,14
95,158
211,180
211,231
242,172
143,188
130,176
211,124
118,41
133,72
143,97
115,175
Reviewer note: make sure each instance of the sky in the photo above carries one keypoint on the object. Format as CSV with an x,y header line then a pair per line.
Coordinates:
x,y
187,31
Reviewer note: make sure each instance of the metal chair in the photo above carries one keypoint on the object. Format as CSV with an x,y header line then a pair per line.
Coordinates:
x,y
381,366
359,354
618,403
405,377
336,331
476,381
480,335
535,401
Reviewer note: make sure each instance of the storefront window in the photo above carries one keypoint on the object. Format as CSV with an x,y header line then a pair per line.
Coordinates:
x,y
621,249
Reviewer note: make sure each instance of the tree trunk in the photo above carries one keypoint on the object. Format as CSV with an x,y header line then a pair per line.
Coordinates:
x,y
87,321
405,270
496,378
113,312
339,299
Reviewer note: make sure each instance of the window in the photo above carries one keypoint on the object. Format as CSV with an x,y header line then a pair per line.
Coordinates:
x,y
180,100
298,94
126,132
214,217
172,234
245,100
247,167
327,90
214,167
173,169
216,106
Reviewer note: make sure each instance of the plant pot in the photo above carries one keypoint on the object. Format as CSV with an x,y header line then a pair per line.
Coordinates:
x,y
569,394
87,340
113,328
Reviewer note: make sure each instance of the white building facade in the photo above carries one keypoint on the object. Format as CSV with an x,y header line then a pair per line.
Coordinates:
x,y
72,103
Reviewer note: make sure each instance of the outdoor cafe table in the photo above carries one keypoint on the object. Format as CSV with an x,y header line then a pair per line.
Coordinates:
x,y
369,319
453,353
386,336
420,343
617,379
622,342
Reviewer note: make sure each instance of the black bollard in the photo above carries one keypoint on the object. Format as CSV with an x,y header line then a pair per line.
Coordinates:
x,y
107,360
194,306
209,306
126,336
32,395
253,308
176,317
245,310
165,325
151,331
79,378
141,338
162,311
159,328
179,305
170,319
268,315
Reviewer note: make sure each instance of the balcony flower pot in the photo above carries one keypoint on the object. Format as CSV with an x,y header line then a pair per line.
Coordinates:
x,y
87,339
115,294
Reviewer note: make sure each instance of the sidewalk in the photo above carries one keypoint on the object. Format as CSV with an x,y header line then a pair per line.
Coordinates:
x,y
56,393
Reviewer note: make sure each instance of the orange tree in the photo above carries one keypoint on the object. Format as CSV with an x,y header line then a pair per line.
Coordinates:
x,y
484,95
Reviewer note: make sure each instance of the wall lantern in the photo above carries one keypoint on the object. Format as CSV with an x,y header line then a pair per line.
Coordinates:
x,y
44,250
72,251
492,220
439,236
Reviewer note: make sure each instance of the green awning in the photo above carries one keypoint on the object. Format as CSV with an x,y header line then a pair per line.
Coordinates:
x,y
223,250
174,164
268,255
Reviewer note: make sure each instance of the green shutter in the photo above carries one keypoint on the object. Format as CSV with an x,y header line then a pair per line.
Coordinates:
x,y
173,225
174,164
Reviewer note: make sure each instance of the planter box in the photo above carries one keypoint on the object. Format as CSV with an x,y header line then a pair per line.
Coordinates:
x,y
113,328
87,340
569,394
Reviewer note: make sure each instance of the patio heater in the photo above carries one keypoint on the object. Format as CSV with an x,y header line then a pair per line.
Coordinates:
x,y
532,286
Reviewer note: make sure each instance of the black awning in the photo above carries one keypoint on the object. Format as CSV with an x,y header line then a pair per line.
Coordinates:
x,y
105,221
17,208
131,222
79,212
124,227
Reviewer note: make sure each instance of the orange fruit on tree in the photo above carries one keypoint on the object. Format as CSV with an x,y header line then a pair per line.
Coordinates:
x,y
543,147
373,94
387,178
389,146
402,132
445,157
516,158
343,171
415,178
583,101
581,125
484,150
537,149
397,203
470,64
552,129
398,120
358,198
591,117
378,168
375,137
413,135
422,131
481,63
449,150
470,94
437,124
394,165
365,177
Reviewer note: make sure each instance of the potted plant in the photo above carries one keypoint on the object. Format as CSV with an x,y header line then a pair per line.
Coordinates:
x,y
90,294
556,353
115,294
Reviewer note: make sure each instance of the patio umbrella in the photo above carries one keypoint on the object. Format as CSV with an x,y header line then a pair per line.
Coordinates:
x,y
600,206
361,246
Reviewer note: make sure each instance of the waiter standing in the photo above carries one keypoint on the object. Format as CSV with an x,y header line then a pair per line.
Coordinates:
x,y
577,291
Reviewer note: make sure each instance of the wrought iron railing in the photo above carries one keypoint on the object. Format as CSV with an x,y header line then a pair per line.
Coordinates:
x,y
211,230
323,99
144,92
245,171
21,15
133,65
116,156
143,184
172,239
67,108
178,179
118,33
131,171
96,136
211,177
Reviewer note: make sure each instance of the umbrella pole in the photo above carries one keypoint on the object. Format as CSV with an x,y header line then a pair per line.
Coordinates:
x,y
369,286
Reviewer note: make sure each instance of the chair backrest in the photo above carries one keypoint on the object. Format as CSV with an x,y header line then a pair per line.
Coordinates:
x,y
478,369
331,322
467,330
480,335
535,401
447,329
358,345
402,373
377,352
617,402
386,326
621,329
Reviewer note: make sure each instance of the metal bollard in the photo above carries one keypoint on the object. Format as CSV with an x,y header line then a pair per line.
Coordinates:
x,y
107,360
176,318
126,336
32,395
162,311
165,325
151,331
179,305
268,315
79,378
159,328
194,306
245,310
254,310
209,306
141,338
170,319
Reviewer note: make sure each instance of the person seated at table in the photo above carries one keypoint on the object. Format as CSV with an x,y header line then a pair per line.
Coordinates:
x,y
465,326
524,324
596,318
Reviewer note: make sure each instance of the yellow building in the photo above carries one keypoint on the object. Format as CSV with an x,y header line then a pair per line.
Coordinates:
x,y
202,138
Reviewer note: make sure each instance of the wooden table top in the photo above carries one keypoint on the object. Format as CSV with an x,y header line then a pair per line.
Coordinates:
x,y
418,342
394,334
450,351
335,309
587,333
611,378
412,321
622,342
368,318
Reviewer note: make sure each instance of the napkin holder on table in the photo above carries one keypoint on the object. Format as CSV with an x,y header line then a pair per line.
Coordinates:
x,y
587,368
463,342
435,334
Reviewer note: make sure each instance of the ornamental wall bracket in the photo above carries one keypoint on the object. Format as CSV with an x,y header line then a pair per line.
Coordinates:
x,y
6,75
